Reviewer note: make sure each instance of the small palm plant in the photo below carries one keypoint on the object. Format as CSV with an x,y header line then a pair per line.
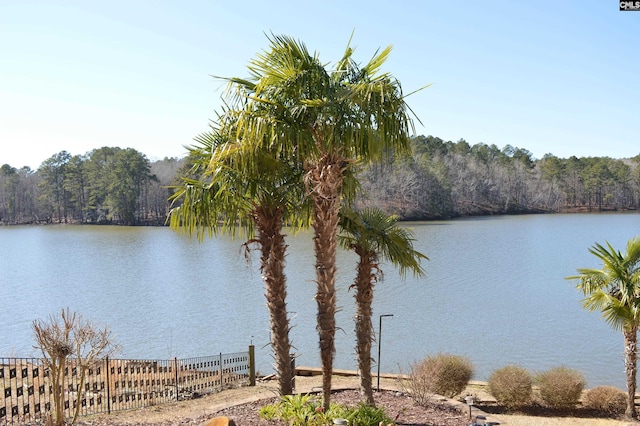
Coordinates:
x,y
615,291
374,236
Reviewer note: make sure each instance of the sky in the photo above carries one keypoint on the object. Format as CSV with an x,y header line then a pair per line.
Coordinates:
x,y
553,77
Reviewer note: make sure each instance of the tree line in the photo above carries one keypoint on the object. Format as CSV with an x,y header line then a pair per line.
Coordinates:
x,y
439,180
443,180
108,185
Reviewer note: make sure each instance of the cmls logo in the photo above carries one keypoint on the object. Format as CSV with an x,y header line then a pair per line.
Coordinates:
x,y
630,5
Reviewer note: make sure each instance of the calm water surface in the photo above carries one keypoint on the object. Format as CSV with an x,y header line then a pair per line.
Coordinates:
x,y
494,291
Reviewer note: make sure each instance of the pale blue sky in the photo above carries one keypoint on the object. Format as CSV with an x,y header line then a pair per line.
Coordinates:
x,y
559,77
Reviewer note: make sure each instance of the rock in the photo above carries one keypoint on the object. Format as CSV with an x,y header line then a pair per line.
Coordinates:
x,y
219,421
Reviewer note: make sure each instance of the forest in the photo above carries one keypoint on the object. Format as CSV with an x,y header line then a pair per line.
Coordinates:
x,y
440,180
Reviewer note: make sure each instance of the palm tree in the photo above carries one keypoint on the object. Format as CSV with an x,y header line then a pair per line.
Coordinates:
x,y
615,290
229,197
374,237
328,119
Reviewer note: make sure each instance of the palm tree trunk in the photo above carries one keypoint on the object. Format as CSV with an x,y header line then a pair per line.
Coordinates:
x,y
326,185
630,365
364,327
273,251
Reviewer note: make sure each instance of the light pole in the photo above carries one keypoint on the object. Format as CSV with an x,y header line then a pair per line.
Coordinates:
x,y
469,400
379,342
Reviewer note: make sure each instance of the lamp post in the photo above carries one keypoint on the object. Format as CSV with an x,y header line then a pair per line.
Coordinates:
x,y
379,343
469,400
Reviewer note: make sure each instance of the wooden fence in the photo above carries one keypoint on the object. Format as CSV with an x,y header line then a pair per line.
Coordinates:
x,y
117,384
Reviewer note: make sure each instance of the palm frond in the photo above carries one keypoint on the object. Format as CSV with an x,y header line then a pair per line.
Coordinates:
x,y
373,231
615,289
376,62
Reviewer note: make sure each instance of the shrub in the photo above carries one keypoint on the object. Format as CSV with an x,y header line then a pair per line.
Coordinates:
x,y
366,415
307,410
511,386
443,374
561,387
605,399
293,409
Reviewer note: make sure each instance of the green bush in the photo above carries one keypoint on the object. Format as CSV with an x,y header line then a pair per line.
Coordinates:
x,y
293,409
366,415
302,409
561,387
605,399
443,374
511,386
306,410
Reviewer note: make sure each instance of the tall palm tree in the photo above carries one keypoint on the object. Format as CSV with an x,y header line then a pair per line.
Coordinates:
x,y
258,200
615,290
375,237
328,119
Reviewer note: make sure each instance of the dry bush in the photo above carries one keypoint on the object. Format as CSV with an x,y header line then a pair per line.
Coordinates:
x,y
511,386
64,336
416,386
561,387
441,374
607,400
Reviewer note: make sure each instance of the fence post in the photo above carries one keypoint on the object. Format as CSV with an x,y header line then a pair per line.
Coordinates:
x,y
108,387
252,366
221,383
175,366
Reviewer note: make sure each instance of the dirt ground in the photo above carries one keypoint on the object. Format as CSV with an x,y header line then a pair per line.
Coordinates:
x,y
246,400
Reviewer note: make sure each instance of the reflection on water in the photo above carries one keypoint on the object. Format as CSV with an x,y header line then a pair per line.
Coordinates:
x,y
494,291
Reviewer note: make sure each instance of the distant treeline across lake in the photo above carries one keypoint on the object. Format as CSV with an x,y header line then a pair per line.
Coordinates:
x,y
440,180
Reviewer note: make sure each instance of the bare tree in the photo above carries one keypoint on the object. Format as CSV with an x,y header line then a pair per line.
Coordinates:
x,y
61,337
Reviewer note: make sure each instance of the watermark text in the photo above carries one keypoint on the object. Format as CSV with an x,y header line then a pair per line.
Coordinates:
x,y
630,5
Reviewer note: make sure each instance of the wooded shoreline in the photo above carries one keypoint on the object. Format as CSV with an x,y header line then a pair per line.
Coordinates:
x,y
439,180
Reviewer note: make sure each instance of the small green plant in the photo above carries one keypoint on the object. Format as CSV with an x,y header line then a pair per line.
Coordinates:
x,y
293,409
442,374
367,415
561,387
307,410
302,409
336,411
511,386
607,400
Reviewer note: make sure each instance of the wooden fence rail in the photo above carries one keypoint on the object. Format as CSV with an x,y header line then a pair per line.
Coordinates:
x,y
117,384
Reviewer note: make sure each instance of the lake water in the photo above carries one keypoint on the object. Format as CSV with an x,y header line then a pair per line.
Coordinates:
x,y
494,292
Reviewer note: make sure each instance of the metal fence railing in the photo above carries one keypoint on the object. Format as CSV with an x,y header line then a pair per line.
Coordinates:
x,y
116,384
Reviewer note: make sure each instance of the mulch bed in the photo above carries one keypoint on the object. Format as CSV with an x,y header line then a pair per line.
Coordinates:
x,y
397,406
